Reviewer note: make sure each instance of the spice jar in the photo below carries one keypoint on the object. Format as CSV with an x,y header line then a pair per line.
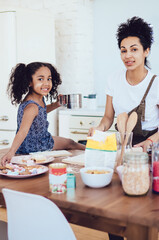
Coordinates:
x,y
58,177
135,178
155,167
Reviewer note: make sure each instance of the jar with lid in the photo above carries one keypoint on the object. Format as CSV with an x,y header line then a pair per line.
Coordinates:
x,y
155,167
136,178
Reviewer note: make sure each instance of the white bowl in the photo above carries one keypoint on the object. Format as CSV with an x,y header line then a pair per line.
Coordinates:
x,y
96,180
119,170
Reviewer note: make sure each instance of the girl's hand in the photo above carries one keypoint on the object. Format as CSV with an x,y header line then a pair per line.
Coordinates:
x,y
6,158
57,103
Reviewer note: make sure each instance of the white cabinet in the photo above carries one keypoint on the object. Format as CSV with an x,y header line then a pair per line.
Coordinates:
x,y
26,36
7,61
75,124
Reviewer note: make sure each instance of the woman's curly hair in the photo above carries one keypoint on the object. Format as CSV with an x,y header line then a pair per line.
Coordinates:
x,y
21,77
136,27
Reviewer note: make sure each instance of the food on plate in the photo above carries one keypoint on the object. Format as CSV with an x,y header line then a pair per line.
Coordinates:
x,y
13,169
2,167
38,158
97,171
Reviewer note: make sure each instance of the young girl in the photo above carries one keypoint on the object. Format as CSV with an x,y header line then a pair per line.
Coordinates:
x,y
28,85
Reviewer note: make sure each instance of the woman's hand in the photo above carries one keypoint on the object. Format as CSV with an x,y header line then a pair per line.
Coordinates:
x,y
145,145
148,142
91,130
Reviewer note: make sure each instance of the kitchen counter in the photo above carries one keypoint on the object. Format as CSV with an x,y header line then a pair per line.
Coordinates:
x,y
75,123
82,111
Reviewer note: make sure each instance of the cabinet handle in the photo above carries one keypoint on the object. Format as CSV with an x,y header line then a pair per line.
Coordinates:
x,y
4,142
4,118
92,123
76,132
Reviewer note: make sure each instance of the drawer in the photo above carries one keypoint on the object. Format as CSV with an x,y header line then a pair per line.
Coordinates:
x,y
8,121
6,138
84,122
78,135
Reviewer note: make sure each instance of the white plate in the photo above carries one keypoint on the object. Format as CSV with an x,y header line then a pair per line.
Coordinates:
x,y
26,159
44,168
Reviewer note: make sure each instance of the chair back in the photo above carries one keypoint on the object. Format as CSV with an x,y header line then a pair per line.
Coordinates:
x,y
33,217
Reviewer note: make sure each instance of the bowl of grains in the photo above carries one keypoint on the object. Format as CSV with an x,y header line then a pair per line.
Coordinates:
x,y
96,177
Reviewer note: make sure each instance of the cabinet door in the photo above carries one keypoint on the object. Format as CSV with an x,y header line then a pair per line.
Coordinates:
x,y
26,36
7,61
6,139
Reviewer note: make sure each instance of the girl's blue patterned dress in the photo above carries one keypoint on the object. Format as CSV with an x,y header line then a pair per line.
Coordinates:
x,y
38,137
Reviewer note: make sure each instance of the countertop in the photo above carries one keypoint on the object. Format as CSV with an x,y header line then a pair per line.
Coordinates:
x,y
82,111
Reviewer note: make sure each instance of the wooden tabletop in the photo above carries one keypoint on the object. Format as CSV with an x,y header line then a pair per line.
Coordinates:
x,y
107,209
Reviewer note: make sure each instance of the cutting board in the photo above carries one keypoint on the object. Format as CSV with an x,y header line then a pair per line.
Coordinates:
x,y
77,160
55,153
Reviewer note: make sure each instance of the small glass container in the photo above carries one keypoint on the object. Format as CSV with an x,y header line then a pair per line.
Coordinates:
x,y
155,167
135,177
71,180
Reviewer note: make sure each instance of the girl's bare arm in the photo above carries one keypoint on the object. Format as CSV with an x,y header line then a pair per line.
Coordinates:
x,y
30,113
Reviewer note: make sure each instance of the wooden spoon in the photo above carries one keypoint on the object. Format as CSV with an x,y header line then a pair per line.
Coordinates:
x,y
131,123
121,124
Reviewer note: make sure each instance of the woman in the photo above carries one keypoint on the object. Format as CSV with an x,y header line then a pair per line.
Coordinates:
x,y
128,90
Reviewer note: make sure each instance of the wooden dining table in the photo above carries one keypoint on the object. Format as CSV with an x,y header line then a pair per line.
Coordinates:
x,y
107,209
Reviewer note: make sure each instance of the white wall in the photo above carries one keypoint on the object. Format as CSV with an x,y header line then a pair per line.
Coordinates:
x,y
107,16
74,45
86,46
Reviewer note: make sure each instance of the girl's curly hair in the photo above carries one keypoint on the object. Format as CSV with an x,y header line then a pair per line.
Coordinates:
x,y
21,77
136,27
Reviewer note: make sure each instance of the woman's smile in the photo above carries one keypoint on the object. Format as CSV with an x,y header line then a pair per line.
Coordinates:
x,y
129,63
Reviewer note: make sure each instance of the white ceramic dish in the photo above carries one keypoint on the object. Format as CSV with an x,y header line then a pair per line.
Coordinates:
x,y
26,159
119,170
44,169
96,180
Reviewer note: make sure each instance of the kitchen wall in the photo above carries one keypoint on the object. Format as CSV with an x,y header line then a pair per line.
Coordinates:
x,y
74,40
86,48
107,16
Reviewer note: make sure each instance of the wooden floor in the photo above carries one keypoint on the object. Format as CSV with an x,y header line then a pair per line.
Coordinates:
x,y
81,233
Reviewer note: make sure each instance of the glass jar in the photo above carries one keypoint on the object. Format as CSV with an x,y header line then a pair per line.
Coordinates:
x,y
128,147
135,177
